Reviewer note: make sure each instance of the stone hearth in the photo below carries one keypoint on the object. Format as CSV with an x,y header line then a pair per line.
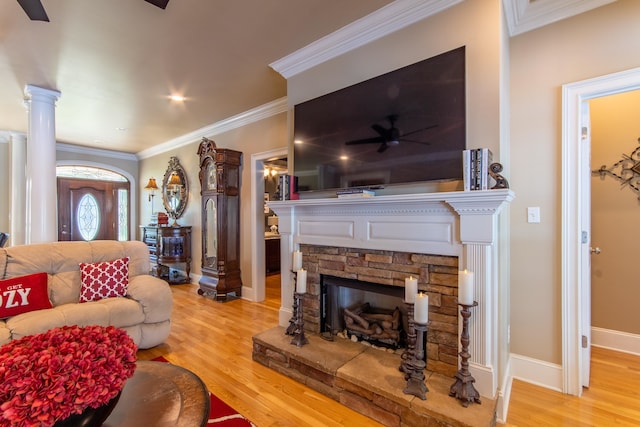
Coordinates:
x,y
368,381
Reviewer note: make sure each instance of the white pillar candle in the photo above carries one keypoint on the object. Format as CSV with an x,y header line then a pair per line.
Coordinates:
x,y
410,289
465,287
421,311
297,260
302,281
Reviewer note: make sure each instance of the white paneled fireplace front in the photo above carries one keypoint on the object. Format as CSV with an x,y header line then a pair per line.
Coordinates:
x,y
462,224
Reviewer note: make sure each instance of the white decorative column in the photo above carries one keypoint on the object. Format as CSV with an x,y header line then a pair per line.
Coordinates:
x,y
287,247
18,144
41,209
479,237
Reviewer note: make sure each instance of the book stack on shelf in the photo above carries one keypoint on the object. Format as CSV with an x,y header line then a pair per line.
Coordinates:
x,y
159,218
287,188
475,169
357,193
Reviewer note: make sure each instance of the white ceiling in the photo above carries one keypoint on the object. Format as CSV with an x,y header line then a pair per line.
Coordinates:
x,y
116,61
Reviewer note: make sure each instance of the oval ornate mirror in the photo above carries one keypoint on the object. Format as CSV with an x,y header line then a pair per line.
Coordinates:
x,y
175,190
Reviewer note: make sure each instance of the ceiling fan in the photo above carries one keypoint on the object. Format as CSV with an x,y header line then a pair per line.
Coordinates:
x,y
35,10
390,136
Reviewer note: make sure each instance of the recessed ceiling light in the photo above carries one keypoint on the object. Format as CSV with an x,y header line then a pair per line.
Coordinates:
x,y
122,129
177,98
298,141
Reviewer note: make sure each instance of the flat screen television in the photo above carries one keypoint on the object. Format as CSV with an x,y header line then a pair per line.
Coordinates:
x,y
405,126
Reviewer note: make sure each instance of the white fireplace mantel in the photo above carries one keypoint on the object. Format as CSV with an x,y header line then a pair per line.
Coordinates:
x,y
462,224
408,216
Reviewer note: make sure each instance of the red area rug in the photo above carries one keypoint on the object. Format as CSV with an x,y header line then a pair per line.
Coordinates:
x,y
221,414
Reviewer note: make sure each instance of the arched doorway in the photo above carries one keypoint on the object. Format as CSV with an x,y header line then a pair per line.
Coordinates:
x,y
93,204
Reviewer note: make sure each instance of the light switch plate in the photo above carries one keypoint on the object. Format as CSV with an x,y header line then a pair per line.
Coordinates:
x,y
533,215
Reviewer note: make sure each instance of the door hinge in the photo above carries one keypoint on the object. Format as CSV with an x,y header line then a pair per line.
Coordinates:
x,y
585,341
585,237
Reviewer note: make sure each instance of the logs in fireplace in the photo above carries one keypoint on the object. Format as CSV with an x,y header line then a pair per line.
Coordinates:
x,y
367,311
375,326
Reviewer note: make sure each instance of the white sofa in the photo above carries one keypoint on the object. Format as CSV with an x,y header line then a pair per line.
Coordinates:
x,y
145,311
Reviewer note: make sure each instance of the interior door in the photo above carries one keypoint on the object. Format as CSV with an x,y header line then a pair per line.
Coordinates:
x,y
585,253
88,209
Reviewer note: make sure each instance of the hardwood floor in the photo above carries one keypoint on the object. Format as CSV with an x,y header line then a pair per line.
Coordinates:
x,y
613,399
214,340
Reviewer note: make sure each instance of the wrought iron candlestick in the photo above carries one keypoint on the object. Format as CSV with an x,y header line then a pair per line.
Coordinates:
x,y
292,322
410,351
416,366
463,388
298,334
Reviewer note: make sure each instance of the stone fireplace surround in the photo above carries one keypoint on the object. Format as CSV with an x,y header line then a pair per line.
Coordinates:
x,y
455,224
437,275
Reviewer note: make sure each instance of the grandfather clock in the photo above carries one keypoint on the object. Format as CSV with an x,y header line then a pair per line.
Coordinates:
x,y
220,191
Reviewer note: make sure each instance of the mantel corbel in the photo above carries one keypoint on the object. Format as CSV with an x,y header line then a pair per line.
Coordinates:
x,y
478,212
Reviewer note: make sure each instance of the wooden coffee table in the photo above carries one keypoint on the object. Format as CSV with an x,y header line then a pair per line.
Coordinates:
x,y
161,394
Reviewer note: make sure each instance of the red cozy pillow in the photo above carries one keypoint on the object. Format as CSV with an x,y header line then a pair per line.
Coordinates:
x,y
22,294
104,279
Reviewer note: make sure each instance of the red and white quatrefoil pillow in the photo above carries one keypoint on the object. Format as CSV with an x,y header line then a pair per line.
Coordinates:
x,y
104,279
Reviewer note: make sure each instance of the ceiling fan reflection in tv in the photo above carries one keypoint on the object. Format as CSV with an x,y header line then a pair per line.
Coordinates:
x,y
390,136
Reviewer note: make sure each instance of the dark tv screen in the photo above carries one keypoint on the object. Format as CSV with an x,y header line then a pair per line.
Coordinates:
x,y
405,126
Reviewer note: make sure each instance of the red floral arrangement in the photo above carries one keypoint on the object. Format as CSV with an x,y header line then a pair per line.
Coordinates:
x,y
47,377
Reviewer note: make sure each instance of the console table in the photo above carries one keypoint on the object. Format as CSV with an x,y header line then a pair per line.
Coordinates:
x,y
169,251
161,394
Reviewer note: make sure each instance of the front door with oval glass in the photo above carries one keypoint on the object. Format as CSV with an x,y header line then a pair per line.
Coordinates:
x,y
92,210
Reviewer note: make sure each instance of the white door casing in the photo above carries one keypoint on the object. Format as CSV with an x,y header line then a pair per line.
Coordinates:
x,y
585,252
575,218
257,291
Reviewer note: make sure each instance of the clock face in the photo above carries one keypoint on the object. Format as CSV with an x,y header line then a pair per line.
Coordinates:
x,y
211,176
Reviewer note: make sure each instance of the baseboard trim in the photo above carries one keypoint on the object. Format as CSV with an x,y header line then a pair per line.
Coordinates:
x,y
486,379
248,293
504,395
284,315
615,340
538,372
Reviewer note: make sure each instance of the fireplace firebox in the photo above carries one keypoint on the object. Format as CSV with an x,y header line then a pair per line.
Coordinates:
x,y
372,312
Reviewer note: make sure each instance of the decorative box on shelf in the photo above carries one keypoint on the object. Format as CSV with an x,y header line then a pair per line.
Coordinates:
x,y
169,252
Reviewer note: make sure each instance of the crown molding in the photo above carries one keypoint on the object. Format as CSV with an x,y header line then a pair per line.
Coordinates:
x,y
250,116
262,112
527,15
99,152
386,20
